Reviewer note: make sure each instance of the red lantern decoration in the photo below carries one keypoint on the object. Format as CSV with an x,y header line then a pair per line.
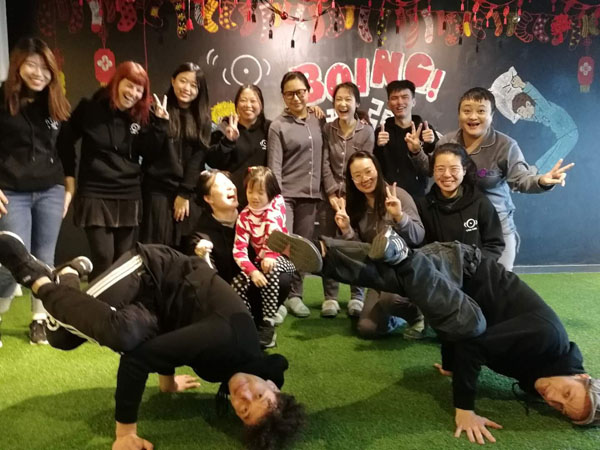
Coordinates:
x,y
585,73
104,65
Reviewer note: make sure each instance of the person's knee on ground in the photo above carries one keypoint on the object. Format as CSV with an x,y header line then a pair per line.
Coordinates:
x,y
368,329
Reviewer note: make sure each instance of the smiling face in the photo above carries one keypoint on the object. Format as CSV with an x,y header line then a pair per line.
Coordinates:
x,y
185,88
252,397
401,104
248,107
567,394
475,117
128,94
257,195
448,173
364,175
222,195
295,95
345,104
35,73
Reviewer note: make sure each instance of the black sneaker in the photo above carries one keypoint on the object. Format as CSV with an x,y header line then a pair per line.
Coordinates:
x,y
24,267
267,335
388,247
305,256
81,264
37,332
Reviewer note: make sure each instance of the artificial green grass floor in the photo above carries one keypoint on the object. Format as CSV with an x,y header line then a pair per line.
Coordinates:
x,y
359,394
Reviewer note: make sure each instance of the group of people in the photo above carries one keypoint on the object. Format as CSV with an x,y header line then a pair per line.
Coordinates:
x,y
201,233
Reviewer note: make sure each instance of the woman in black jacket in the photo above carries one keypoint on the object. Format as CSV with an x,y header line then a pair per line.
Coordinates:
x,y
178,139
32,192
108,201
241,140
454,209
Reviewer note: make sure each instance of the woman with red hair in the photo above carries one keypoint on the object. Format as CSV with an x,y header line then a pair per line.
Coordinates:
x,y
32,192
108,201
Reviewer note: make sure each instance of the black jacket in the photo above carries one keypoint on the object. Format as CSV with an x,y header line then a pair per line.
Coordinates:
x,y
524,339
29,160
250,149
395,159
471,219
109,165
170,165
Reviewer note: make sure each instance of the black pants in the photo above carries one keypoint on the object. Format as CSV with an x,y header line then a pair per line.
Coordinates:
x,y
145,293
431,279
108,244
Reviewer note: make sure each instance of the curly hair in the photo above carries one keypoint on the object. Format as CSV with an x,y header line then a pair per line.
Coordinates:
x,y
278,428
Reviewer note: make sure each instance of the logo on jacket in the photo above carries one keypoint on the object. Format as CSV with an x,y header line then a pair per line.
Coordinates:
x,y
470,225
134,128
51,124
263,144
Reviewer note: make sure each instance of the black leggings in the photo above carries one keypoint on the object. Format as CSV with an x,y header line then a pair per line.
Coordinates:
x,y
108,244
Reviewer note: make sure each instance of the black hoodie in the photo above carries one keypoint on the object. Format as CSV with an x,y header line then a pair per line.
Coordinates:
x,y
396,161
469,218
29,159
109,165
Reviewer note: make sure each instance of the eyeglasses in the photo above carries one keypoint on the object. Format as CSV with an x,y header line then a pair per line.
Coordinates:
x,y
367,174
441,170
300,93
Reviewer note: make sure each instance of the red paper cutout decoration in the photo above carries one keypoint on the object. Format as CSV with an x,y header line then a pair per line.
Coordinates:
x,y
585,73
104,65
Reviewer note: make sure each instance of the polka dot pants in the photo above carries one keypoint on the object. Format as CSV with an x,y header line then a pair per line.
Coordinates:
x,y
270,293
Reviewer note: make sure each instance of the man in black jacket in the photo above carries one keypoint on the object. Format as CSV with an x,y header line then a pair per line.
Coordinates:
x,y
400,140
484,315
161,310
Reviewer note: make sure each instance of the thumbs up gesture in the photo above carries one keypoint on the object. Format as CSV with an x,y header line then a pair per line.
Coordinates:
x,y
427,134
383,137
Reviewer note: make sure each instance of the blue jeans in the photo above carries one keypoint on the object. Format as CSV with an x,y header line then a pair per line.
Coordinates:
x,y
36,217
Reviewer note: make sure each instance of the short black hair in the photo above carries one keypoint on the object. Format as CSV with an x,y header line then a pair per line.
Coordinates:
x,y
478,94
295,75
400,85
351,87
465,160
265,177
204,184
279,427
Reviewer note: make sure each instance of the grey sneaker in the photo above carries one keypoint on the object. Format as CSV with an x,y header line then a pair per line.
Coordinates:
x,y
81,264
305,256
388,247
280,315
297,307
330,308
267,335
37,332
355,307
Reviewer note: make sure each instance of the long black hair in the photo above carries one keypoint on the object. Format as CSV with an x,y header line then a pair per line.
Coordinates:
x,y
356,201
468,164
193,123
261,120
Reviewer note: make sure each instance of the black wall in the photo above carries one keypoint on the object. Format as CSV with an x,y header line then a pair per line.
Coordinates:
x,y
560,227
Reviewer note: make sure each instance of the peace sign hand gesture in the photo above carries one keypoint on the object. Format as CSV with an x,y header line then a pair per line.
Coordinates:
x,y
230,127
557,174
342,220
160,109
412,138
392,203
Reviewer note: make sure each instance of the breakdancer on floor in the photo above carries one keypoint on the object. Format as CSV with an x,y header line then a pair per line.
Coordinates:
x,y
161,310
484,315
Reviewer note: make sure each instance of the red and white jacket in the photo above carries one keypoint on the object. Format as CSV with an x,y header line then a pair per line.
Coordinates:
x,y
254,227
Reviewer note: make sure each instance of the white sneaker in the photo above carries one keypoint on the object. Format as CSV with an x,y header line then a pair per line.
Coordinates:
x,y
330,308
297,307
355,307
280,315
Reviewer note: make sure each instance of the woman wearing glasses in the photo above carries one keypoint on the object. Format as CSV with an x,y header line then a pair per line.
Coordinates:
x,y
455,209
294,153
370,207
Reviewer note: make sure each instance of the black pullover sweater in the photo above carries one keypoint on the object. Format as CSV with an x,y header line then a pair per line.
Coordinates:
x,y
469,218
109,165
29,159
524,339
171,165
396,160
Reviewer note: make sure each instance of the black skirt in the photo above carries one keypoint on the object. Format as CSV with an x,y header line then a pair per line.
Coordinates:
x,y
109,213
